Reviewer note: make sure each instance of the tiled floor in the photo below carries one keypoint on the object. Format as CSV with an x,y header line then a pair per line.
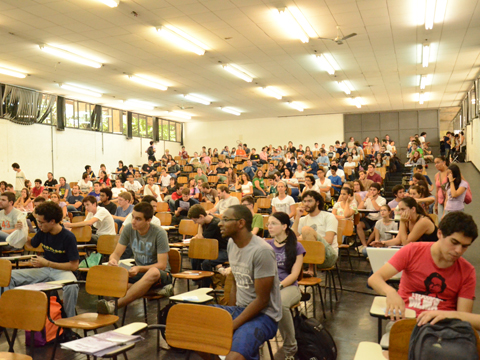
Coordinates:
x,y
349,323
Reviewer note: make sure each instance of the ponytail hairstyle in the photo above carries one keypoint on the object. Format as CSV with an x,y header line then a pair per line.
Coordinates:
x,y
412,203
456,174
291,244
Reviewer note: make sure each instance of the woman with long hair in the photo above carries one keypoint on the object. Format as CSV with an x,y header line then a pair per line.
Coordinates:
x,y
231,178
346,206
292,183
359,190
258,184
367,142
281,166
104,179
416,159
421,194
244,185
376,144
289,254
24,202
194,192
456,190
283,202
415,225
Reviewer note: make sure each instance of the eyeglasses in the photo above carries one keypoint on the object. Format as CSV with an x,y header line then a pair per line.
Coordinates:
x,y
226,220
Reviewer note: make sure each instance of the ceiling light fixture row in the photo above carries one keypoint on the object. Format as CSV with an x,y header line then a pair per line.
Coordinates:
x,y
293,19
434,12
110,3
13,73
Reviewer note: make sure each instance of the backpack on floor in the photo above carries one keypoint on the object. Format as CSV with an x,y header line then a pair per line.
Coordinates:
x,y
313,340
49,332
447,339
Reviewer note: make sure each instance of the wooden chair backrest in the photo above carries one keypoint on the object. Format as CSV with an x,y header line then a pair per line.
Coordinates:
x,y
5,272
207,206
177,157
315,252
400,339
174,259
116,228
348,170
188,168
434,217
107,281
213,179
23,309
38,249
222,157
192,175
356,219
264,203
188,227
78,219
348,231
237,195
107,243
206,249
342,223
82,234
72,184
229,281
238,159
182,180
190,327
164,217
162,206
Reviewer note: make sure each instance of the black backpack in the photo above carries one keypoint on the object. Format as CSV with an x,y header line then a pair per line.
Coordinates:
x,y
447,339
150,151
313,340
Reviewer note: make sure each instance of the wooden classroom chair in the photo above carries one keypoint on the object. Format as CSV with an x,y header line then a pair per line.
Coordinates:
x,y
162,207
22,310
165,218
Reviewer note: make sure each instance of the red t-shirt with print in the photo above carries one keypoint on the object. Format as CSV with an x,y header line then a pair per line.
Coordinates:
x,y
424,286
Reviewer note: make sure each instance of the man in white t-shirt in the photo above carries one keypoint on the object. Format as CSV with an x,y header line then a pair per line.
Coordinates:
x,y
19,179
226,200
318,225
373,202
118,188
152,189
98,217
132,184
165,178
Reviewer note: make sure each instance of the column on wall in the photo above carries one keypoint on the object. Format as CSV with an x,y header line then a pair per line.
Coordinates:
x,y
129,125
155,136
60,113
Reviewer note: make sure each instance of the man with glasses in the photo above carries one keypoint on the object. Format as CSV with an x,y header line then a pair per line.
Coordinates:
x,y
255,302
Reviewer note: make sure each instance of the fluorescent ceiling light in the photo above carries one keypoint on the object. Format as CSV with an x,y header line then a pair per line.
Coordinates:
x,y
327,63
12,73
346,87
231,111
69,56
180,114
197,99
148,82
80,90
425,55
430,14
139,104
296,24
295,105
272,92
424,81
111,3
423,97
184,40
235,70
356,101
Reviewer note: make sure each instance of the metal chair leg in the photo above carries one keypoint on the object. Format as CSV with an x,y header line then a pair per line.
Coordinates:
x,y
270,350
145,310
321,300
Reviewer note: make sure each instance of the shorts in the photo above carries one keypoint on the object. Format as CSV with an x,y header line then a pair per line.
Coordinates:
x,y
165,278
369,224
248,338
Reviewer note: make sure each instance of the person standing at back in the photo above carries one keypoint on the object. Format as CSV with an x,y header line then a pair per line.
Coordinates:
x,y
19,179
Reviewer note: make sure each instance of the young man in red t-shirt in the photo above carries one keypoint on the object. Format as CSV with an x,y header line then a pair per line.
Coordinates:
x,y
435,276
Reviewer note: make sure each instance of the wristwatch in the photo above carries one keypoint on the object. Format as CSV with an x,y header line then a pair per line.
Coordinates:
x,y
281,286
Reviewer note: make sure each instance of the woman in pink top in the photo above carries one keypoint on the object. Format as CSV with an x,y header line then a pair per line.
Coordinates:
x,y
376,144
441,180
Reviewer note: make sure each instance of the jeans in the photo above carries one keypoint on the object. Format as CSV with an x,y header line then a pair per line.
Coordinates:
x,y
173,175
38,275
209,265
290,296
250,171
119,223
3,236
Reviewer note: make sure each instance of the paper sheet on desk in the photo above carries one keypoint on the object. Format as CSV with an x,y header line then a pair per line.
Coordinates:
x,y
38,287
101,344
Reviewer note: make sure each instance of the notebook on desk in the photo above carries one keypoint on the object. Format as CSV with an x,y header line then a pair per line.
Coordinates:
x,y
380,256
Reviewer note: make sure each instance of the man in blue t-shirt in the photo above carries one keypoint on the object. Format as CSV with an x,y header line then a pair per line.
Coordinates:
x,y
335,179
75,201
60,257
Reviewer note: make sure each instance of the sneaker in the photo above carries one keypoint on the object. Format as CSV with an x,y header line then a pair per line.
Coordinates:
x,y
289,357
166,291
360,248
105,307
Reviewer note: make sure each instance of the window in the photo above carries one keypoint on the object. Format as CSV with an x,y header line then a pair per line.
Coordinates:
x,y
150,127
173,128
142,126
107,119
70,116
125,123
117,121
135,124
164,134
84,115
179,132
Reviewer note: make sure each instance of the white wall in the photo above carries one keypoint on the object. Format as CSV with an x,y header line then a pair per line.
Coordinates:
x,y
472,136
256,133
32,147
